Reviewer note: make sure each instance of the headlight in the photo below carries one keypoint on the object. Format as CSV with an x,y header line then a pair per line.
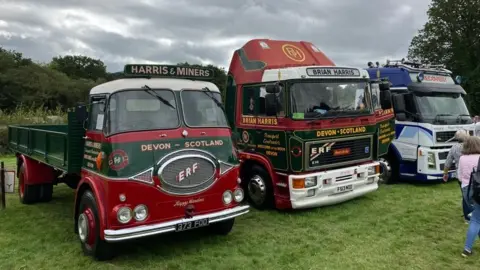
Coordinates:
x,y
371,170
140,213
124,215
310,182
431,159
238,195
227,197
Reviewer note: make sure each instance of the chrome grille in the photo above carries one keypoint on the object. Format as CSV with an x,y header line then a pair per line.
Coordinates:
x,y
187,172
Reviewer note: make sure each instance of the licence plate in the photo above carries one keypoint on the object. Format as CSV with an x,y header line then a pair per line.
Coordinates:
x,y
191,225
344,189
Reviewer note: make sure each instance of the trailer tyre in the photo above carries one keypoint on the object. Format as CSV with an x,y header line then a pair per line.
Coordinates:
x,y
28,194
46,191
89,229
223,227
259,188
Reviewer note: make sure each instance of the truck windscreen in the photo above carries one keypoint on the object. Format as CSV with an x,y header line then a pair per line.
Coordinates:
x,y
134,110
200,110
329,99
434,107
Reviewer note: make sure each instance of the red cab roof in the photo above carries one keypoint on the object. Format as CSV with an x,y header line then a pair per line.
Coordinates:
x,y
249,62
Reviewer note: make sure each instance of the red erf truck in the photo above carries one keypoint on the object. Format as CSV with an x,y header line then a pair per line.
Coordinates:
x,y
309,133
151,156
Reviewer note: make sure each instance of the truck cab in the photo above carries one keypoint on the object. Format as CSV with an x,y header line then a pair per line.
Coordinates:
x,y
306,130
152,155
429,106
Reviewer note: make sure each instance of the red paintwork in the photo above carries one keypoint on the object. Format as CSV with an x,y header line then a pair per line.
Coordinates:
x,y
91,227
160,205
273,58
36,172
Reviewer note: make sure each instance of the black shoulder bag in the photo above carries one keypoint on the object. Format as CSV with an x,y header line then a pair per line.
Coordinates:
x,y
474,184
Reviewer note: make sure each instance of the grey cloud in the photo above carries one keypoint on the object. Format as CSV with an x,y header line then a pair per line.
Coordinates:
x,y
349,32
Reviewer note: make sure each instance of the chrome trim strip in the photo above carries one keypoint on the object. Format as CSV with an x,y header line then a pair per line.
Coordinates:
x,y
166,227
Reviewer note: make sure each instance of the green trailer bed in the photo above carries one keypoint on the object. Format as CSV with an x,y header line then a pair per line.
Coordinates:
x,y
60,146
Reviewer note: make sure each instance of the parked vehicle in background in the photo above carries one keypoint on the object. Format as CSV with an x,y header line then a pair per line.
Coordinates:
x,y
306,130
153,155
429,107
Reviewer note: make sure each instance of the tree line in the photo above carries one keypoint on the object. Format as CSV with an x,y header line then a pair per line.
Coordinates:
x,y
59,84
451,36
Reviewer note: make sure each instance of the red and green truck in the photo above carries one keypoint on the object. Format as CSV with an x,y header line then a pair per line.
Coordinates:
x,y
147,155
309,133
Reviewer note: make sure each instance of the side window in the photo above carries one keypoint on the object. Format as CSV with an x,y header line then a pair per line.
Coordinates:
x,y
256,101
376,97
96,115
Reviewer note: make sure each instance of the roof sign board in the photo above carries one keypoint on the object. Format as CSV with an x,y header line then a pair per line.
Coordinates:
x,y
430,78
333,72
171,71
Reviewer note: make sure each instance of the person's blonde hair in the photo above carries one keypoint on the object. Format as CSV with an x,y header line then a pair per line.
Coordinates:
x,y
461,135
471,145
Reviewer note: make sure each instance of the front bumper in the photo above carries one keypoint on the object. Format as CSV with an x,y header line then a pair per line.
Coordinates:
x,y
355,177
166,227
426,171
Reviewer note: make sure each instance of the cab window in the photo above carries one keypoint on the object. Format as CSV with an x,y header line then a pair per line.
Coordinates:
x,y
256,101
203,109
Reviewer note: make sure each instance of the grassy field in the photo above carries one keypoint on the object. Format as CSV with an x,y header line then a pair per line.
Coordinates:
x,y
399,227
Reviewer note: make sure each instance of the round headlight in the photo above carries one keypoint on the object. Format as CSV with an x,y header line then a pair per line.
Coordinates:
x,y
140,213
124,215
227,197
238,195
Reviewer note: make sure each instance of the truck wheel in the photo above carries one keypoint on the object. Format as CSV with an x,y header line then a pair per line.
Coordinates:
x,y
223,227
89,229
46,191
259,188
28,194
391,170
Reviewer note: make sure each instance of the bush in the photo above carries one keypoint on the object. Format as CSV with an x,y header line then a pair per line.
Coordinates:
x,y
27,116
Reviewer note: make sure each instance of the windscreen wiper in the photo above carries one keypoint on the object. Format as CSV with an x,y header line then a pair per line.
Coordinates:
x,y
438,116
209,94
460,117
149,90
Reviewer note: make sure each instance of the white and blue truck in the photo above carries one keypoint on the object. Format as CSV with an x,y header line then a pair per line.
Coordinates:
x,y
429,107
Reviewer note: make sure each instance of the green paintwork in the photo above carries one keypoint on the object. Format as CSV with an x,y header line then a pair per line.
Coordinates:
x,y
386,134
280,143
60,146
145,154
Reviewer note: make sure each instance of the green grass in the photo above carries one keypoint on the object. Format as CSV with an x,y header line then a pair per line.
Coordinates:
x,y
398,227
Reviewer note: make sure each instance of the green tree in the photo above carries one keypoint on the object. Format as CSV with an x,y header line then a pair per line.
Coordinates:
x,y
80,67
451,36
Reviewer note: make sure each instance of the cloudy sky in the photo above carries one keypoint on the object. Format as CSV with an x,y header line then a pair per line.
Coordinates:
x,y
350,32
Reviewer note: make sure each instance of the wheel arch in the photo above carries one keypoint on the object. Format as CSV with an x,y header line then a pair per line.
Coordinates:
x,y
88,184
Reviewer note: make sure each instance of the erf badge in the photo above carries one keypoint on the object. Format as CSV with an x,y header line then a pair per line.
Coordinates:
x,y
245,136
118,160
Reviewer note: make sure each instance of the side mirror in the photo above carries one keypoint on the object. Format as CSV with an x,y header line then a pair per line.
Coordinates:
x,y
384,86
81,113
399,102
401,116
386,99
272,88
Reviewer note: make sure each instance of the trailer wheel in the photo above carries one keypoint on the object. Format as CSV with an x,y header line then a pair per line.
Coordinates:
x,y
89,229
46,191
223,227
259,188
28,194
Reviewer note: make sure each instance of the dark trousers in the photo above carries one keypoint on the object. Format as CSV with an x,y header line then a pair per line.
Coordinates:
x,y
467,209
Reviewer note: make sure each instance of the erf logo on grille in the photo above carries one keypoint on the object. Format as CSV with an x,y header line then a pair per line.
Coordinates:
x,y
185,173
293,52
317,151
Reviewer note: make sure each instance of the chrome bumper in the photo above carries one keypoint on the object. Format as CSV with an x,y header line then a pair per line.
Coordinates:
x,y
149,230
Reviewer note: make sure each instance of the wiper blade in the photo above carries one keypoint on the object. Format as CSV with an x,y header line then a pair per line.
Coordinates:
x,y
209,92
149,90
435,119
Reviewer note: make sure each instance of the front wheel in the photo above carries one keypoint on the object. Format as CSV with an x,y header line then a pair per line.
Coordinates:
x,y
259,188
390,169
88,229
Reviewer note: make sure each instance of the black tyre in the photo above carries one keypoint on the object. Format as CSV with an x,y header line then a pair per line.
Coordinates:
x,y
392,175
258,186
222,227
28,194
88,229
